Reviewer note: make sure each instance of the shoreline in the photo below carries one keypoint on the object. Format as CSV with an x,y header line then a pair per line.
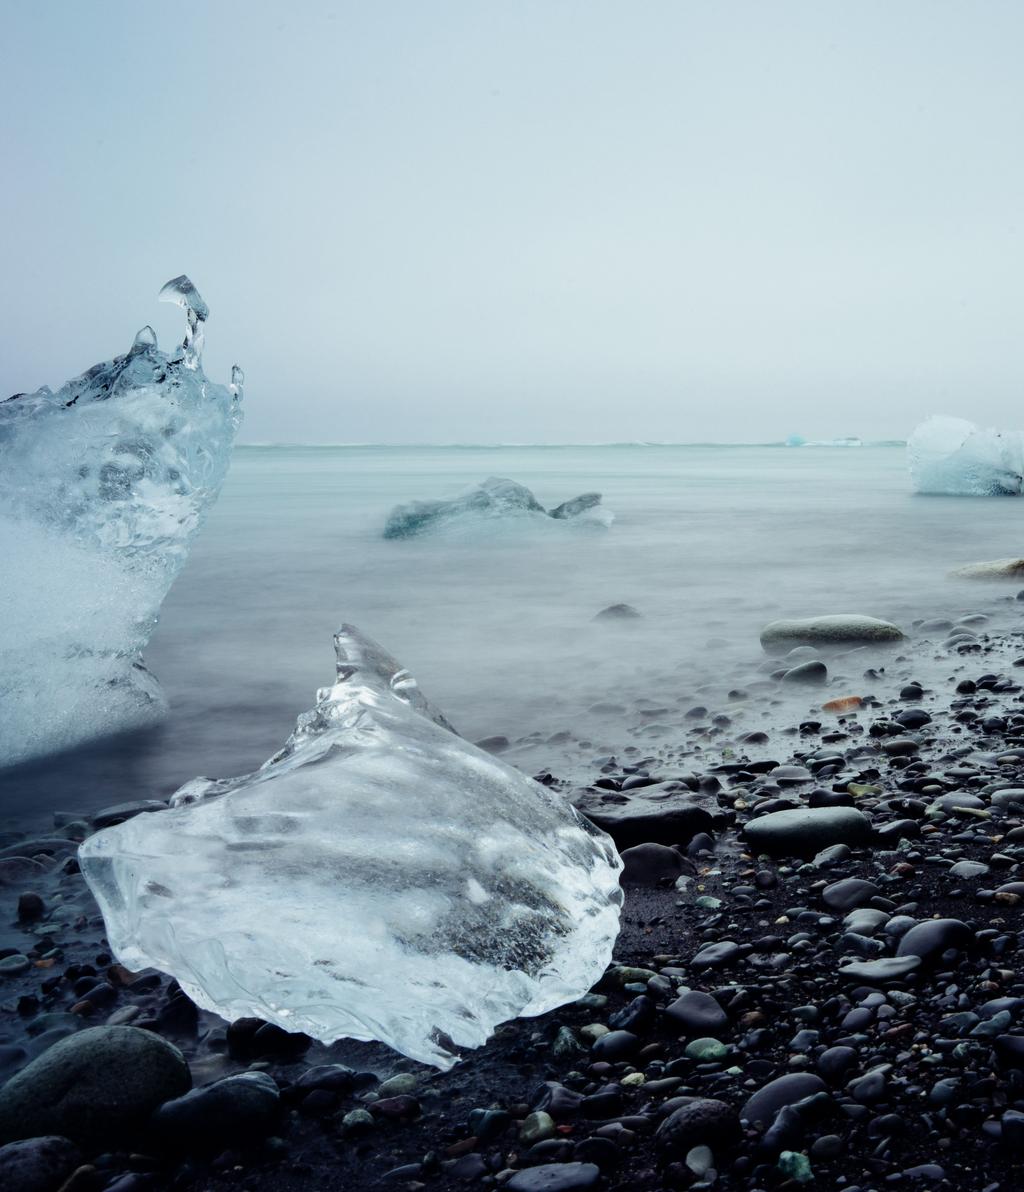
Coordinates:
x,y
921,1072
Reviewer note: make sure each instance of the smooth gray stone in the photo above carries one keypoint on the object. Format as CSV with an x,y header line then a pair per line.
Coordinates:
x,y
556,1177
813,672
865,920
848,893
929,939
235,1110
968,869
648,864
696,1014
843,629
879,972
784,1090
805,831
37,1164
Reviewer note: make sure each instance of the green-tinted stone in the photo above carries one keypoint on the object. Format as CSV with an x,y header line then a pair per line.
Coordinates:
x,y
796,1165
536,1127
706,1049
565,1042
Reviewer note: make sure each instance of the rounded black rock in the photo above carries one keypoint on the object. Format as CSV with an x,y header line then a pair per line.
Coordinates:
x,y
700,1121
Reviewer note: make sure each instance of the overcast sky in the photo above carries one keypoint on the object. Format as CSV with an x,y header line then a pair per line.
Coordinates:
x,y
448,221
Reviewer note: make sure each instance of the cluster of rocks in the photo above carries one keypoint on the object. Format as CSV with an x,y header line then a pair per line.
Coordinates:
x,y
818,982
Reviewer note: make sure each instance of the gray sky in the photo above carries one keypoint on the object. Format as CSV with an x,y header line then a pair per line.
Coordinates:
x,y
512,220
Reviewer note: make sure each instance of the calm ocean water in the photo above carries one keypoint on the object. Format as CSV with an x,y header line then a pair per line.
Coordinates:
x,y
709,543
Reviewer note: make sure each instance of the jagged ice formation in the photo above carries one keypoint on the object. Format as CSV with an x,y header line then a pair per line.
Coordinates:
x,y
496,498
378,878
103,486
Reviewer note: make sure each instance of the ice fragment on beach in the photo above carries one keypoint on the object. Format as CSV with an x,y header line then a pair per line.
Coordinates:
x,y
953,457
103,485
378,878
493,498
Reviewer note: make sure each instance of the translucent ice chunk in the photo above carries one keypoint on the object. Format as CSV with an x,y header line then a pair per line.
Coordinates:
x,y
102,487
952,456
378,878
495,497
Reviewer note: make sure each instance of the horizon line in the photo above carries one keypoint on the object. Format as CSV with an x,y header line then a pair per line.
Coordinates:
x,y
829,444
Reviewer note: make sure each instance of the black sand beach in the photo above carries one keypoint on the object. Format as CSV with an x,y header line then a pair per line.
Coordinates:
x,y
834,997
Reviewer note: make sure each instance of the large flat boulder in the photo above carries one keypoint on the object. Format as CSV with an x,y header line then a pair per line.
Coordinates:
x,y
992,569
94,1088
664,813
842,629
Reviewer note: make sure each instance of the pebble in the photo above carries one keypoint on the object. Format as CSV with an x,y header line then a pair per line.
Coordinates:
x,y
717,955
237,1110
880,972
37,1164
807,673
31,907
849,893
556,1177
695,1013
397,1085
615,1046
650,863
699,1120
784,1090
536,1127
930,939
704,1050
795,1166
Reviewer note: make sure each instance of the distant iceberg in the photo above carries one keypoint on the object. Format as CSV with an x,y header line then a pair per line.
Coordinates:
x,y
378,878
800,441
494,498
953,457
103,486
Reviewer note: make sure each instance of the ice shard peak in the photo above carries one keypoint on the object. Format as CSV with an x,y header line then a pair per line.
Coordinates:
x,y
144,338
182,292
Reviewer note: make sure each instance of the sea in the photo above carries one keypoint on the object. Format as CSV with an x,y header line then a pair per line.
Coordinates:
x,y
496,617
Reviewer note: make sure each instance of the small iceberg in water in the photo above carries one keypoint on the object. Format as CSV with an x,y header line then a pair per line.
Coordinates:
x,y
953,457
103,486
800,441
494,498
378,878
